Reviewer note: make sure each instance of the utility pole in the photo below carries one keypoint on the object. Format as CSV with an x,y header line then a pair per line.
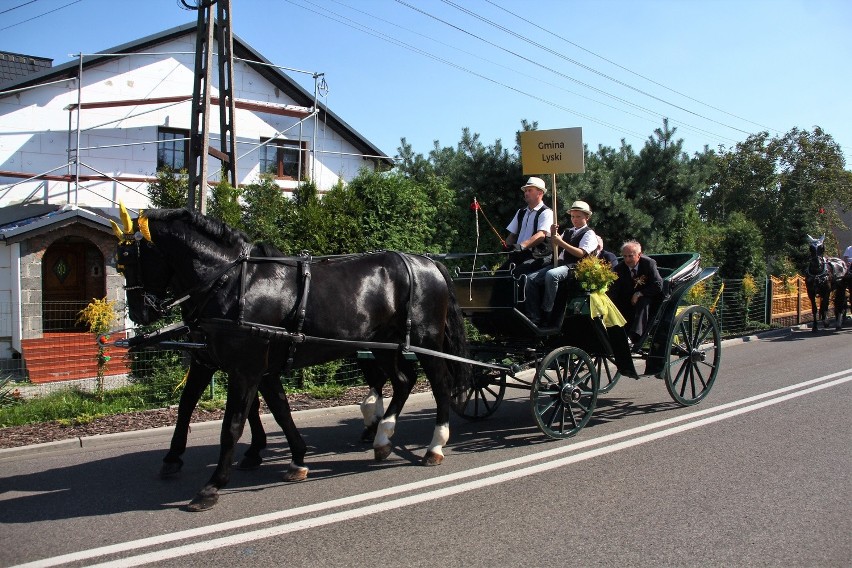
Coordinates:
x,y
199,143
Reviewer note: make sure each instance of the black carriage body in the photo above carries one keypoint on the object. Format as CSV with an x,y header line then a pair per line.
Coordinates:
x,y
493,302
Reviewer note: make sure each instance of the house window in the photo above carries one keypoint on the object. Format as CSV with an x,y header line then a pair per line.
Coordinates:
x,y
282,159
172,148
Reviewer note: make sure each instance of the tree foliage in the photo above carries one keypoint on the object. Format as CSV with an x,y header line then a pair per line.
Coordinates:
x,y
789,186
170,189
744,209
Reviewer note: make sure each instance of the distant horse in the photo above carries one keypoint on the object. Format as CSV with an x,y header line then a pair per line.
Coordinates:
x,y
260,312
822,277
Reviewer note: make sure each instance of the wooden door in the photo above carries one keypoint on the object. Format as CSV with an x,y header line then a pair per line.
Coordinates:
x,y
72,275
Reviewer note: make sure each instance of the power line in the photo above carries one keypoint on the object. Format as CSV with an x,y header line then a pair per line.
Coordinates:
x,y
18,6
477,56
588,86
370,31
562,56
39,16
628,70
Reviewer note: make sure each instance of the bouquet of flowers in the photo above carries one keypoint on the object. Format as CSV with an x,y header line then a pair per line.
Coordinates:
x,y
594,274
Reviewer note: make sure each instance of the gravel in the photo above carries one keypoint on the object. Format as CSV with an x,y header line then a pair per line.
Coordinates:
x,y
16,436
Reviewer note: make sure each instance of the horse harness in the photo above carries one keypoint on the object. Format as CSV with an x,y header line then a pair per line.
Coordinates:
x,y
202,293
827,272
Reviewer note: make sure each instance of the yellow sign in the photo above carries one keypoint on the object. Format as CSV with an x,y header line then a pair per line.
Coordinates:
x,y
553,151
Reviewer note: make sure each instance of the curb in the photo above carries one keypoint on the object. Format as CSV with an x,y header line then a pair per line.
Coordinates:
x,y
763,335
106,440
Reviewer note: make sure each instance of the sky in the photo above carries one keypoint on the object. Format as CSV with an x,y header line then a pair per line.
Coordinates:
x,y
423,70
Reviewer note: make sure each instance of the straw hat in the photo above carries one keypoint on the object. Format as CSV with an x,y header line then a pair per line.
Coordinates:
x,y
535,182
581,206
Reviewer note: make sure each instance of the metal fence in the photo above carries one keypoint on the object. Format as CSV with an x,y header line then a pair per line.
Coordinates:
x,y
741,307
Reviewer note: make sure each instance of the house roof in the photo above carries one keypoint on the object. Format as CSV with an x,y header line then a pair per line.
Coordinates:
x,y
241,49
18,222
13,66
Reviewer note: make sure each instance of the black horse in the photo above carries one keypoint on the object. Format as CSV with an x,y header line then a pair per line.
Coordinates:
x,y
823,276
259,312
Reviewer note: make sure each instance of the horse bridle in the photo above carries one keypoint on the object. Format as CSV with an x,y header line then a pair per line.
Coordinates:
x,y
204,289
148,300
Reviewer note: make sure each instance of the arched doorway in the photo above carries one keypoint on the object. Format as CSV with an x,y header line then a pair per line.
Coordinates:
x,y
72,272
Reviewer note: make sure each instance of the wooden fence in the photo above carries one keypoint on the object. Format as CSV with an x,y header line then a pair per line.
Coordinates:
x,y
790,303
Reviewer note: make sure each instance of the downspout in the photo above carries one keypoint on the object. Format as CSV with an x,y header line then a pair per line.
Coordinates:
x,y
15,284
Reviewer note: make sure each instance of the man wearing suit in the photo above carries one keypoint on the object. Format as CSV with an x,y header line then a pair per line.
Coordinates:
x,y
639,285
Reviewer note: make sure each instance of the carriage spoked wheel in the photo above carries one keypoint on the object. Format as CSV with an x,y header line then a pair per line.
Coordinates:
x,y
608,373
564,392
484,396
695,351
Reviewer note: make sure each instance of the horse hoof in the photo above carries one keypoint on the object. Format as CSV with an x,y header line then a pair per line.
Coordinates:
x,y
202,503
295,473
431,458
249,463
170,469
382,452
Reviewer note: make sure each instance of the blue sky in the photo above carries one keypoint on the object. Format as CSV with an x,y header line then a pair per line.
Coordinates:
x,y
424,69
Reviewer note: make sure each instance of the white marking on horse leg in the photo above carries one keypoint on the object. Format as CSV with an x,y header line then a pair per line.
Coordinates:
x,y
368,406
439,439
385,431
379,407
295,473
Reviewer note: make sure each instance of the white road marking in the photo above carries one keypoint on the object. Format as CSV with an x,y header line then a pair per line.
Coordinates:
x,y
666,428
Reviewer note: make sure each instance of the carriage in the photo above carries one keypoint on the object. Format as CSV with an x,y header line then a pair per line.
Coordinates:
x,y
568,364
254,313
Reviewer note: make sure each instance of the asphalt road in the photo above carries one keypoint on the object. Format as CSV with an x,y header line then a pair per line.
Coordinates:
x,y
758,474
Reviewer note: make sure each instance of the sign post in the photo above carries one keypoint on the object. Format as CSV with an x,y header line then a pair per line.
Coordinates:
x,y
553,152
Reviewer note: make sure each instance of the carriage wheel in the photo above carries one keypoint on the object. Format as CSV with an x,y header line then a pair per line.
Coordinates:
x,y
484,396
608,373
564,392
694,355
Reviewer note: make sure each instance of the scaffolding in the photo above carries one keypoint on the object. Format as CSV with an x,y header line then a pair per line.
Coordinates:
x,y
79,172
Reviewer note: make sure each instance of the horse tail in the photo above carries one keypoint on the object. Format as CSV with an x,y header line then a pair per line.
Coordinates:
x,y
455,339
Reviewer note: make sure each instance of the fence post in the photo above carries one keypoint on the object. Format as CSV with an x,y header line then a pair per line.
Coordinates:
x,y
798,301
767,306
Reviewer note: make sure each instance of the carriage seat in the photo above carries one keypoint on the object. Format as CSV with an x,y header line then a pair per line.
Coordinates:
x,y
676,268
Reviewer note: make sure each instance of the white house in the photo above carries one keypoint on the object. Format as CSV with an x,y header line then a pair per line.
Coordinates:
x,y
78,138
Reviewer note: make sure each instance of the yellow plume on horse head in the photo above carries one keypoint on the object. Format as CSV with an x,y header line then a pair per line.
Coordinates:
x,y
126,233
126,221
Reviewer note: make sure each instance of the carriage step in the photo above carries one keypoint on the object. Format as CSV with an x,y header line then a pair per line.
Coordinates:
x,y
407,355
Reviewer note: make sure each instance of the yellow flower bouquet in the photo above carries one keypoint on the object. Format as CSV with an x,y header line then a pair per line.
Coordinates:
x,y
595,275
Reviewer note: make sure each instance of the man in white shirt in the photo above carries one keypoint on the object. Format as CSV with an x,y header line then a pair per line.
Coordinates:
x,y
529,227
